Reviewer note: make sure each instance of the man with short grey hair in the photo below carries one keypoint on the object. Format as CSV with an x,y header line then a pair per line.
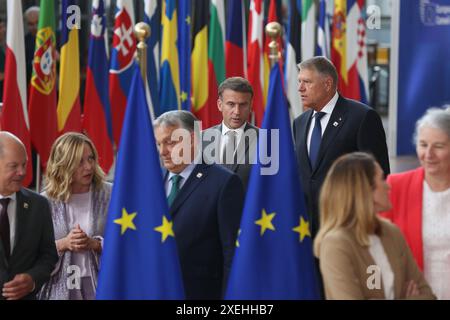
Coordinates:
x,y
205,203
332,126
27,243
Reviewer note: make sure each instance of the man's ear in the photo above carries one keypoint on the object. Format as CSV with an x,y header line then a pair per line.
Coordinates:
x,y
219,104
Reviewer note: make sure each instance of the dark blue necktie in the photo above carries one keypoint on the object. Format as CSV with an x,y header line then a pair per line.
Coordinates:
x,y
316,139
4,226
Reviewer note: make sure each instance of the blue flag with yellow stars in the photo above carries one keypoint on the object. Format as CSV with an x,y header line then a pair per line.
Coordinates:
x,y
273,258
139,259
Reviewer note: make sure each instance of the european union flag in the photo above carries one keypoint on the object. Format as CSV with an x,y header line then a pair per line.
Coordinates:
x,y
139,258
273,258
184,49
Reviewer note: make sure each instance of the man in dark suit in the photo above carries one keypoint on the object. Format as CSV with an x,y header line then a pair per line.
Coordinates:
x,y
205,203
235,104
331,127
27,244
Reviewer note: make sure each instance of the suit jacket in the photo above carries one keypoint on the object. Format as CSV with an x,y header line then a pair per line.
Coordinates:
x,y
353,126
407,199
244,156
206,215
344,265
34,250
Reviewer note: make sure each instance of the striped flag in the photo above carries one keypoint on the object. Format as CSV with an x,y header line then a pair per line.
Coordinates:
x,y
14,112
199,56
42,104
169,94
122,59
323,31
97,110
210,114
293,57
308,28
69,110
235,63
349,52
255,62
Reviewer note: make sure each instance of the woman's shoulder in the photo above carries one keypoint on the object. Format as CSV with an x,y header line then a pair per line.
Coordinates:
x,y
405,177
339,237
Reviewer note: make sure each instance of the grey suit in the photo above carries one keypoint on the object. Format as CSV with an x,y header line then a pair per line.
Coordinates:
x,y
245,152
34,251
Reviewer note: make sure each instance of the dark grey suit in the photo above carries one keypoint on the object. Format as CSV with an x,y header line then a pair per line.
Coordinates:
x,y
245,152
34,250
353,126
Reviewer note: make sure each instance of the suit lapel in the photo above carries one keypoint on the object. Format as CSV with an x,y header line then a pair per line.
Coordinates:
x,y
303,143
22,214
197,176
334,125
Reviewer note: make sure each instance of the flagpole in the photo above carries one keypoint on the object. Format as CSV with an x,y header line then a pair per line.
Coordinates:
x,y
273,31
38,173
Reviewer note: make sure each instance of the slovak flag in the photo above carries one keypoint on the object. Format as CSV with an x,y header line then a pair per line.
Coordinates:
x,y
15,114
122,59
97,110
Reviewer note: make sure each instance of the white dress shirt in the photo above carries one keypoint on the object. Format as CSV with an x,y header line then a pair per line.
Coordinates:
x,y
328,109
12,218
378,254
224,139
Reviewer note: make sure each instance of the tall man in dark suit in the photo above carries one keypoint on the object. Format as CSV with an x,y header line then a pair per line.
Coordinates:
x,y
331,127
27,244
235,104
205,203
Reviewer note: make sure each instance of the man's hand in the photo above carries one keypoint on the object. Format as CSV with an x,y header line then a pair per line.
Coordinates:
x,y
19,287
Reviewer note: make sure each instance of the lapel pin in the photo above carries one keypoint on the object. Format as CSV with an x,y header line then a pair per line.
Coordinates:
x,y
335,123
25,205
199,175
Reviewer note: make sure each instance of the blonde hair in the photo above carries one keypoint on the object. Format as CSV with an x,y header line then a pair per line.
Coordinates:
x,y
65,157
346,198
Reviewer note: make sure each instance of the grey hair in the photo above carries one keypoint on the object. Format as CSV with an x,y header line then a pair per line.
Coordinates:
x,y
176,118
31,9
322,65
6,135
437,118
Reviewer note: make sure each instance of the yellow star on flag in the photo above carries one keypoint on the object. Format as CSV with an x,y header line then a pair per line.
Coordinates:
x,y
188,20
266,221
302,229
126,222
237,238
165,229
183,96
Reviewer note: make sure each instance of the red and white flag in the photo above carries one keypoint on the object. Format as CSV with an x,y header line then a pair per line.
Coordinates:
x,y
14,111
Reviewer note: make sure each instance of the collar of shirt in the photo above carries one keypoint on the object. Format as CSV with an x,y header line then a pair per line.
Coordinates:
x,y
11,196
239,131
184,174
328,109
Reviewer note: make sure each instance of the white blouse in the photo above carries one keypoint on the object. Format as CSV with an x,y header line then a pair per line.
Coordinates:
x,y
436,240
378,254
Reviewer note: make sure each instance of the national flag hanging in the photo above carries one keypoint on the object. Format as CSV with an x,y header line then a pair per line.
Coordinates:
x,y
293,58
235,63
152,16
69,110
274,258
323,31
97,110
122,60
255,62
184,51
14,112
308,28
169,94
199,57
272,17
349,52
42,104
139,259
209,114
